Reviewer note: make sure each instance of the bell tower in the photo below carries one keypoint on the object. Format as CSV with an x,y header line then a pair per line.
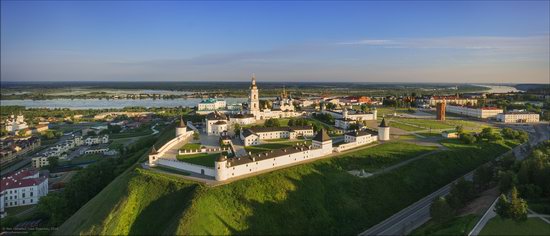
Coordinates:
x,y
253,98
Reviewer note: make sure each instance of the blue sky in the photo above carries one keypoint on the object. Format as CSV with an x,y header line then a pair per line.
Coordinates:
x,y
279,41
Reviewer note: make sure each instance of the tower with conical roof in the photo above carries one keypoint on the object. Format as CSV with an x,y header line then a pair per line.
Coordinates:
x,y
220,167
322,141
253,98
383,131
153,156
181,128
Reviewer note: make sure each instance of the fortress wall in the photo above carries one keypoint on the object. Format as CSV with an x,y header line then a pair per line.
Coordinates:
x,y
209,171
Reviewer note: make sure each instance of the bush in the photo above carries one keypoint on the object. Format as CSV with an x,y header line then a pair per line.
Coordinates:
x,y
440,210
468,138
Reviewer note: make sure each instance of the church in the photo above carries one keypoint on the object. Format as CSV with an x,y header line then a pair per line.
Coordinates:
x,y
217,122
282,107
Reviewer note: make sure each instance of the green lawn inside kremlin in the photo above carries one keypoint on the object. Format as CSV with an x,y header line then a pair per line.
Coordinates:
x,y
191,146
313,198
203,159
499,226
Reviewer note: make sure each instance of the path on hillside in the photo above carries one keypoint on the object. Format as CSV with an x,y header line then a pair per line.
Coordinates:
x,y
418,213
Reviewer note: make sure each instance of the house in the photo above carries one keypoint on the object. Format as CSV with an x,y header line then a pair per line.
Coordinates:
x,y
24,187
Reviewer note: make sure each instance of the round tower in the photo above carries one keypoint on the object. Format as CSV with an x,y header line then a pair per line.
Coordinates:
x,y
345,113
220,167
181,129
383,131
153,156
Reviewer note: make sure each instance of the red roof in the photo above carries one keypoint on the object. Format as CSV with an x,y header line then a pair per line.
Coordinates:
x,y
21,179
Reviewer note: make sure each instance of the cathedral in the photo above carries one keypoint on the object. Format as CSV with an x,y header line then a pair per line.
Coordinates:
x,y
282,107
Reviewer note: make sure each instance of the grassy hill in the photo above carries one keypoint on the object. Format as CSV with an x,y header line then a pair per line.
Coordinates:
x,y
314,198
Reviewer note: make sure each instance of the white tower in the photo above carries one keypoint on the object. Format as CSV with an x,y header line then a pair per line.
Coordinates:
x,y
322,141
345,113
253,99
383,131
153,156
220,167
181,129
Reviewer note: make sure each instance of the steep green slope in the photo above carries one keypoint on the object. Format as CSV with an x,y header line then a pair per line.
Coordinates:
x,y
138,202
314,198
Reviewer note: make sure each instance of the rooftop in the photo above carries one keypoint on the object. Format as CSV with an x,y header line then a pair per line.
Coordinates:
x,y
22,178
322,136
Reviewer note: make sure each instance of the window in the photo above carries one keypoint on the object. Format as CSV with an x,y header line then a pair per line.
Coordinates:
x,y
23,195
32,193
31,200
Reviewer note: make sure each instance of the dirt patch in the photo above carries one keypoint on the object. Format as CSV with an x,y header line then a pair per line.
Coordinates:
x,y
482,203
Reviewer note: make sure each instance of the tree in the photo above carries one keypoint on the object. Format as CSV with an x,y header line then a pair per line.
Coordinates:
x,y
196,136
483,176
460,129
502,207
461,192
272,122
515,207
468,138
22,133
115,129
237,129
507,180
353,127
53,205
441,211
52,162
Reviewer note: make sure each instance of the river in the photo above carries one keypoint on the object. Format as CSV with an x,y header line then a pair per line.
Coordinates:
x,y
499,88
77,104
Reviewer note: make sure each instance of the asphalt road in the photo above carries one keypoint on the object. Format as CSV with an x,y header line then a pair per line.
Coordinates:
x,y
418,213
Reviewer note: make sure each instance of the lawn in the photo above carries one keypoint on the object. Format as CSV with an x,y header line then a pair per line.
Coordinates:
x,y
385,111
381,156
499,226
142,131
271,146
461,225
191,146
203,159
18,209
320,124
404,126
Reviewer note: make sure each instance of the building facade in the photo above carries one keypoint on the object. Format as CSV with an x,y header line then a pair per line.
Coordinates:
x,y
24,187
211,104
518,117
481,113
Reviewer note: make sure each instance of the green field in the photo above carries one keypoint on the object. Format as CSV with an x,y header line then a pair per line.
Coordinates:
x,y
191,146
499,226
314,198
381,156
275,145
203,159
86,158
457,226
385,111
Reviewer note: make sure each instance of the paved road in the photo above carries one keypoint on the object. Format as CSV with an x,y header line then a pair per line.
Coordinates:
x,y
418,213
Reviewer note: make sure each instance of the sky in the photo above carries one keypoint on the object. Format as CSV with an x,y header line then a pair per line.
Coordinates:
x,y
396,41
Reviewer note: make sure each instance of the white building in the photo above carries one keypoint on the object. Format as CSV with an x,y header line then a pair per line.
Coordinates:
x,y
449,134
96,140
24,187
481,113
2,212
254,135
518,117
14,124
357,138
211,104
284,102
454,100
352,115
242,119
344,123
216,123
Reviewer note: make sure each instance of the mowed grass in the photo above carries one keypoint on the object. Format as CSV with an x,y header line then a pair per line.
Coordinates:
x,y
499,226
381,156
461,225
203,159
191,146
266,147
314,198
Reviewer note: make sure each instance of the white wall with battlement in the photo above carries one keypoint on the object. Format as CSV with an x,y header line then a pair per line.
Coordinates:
x,y
188,167
356,143
225,171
